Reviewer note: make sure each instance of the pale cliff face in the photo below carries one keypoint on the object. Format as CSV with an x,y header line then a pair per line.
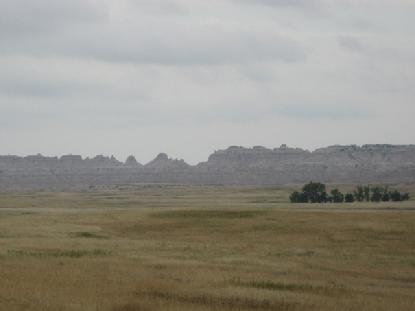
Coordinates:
x,y
163,162
235,165
132,162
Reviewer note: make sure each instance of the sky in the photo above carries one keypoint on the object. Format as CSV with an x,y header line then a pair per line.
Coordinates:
x,y
188,77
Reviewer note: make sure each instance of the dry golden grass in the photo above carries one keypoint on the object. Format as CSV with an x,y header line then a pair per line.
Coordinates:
x,y
202,248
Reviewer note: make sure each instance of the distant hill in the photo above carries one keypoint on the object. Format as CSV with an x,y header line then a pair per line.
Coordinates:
x,y
232,166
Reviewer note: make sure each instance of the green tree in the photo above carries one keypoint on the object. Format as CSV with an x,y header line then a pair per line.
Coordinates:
x,y
385,196
337,196
359,194
366,192
298,197
377,193
324,197
295,197
315,192
349,198
395,196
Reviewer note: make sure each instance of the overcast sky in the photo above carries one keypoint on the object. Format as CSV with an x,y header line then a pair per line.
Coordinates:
x,y
187,77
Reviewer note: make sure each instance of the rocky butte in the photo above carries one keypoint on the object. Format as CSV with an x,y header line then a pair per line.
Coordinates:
x,y
233,166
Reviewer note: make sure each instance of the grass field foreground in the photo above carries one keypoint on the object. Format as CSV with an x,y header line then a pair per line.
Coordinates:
x,y
203,248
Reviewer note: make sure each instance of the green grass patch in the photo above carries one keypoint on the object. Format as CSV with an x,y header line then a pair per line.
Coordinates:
x,y
283,286
88,235
279,286
215,302
58,253
209,214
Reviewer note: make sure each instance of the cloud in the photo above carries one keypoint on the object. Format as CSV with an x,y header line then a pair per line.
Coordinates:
x,y
160,7
350,43
306,8
85,29
283,3
316,112
27,17
168,44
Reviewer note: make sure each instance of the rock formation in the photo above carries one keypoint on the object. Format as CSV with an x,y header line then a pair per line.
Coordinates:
x,y
233,166
132,162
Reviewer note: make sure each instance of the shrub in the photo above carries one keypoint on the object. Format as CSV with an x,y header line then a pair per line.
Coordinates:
x,y
349,198
405,196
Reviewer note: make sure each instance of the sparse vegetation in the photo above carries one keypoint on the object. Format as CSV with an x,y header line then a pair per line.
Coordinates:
x,y
203,248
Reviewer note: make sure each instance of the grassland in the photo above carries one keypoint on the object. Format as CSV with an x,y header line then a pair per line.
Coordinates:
x,y
202,248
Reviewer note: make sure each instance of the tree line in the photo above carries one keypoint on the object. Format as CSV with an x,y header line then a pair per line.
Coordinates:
x,y
315,192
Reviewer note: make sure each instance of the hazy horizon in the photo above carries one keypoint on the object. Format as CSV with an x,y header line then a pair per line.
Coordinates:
x,y
188,77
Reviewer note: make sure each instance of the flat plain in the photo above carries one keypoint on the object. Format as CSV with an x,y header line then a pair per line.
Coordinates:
x,y
164,247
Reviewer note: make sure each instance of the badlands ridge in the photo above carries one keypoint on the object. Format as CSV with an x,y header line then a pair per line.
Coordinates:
x,y
233,166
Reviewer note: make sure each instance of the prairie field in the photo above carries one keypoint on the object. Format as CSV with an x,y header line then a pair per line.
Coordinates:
x,y
164,247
